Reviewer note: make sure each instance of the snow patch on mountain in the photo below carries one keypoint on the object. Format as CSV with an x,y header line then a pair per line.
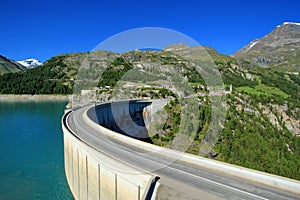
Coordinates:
x,y
30,63
293,23
253,43
289,23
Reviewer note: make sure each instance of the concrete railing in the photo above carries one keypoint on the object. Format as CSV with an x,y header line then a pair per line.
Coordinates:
x,y
255,176
91,176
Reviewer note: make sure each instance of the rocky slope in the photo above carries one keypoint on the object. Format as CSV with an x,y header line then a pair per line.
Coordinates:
x,y
280,49
7,66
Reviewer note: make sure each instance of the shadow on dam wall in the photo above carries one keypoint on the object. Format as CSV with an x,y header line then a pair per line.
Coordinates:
x,y
131,118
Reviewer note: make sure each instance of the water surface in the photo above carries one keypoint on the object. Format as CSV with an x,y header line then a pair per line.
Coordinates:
x,y
31,151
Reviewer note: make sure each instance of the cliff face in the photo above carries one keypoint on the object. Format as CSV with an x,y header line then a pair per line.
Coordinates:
x,y
280,49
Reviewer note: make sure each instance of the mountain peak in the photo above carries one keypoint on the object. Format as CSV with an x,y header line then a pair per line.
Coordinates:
x,y
289,23
280,48
30,63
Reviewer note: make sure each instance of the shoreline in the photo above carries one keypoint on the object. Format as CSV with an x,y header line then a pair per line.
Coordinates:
x,y
35,97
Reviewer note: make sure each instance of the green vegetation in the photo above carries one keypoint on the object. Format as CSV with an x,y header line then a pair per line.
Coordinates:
x,y
252,141
236,79
50,78
262,89
278,79
204,121
249,138
166,132
194,76
271,90
114,72
295,78
249,90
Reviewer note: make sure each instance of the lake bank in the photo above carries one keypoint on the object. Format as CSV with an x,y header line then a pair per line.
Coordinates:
x,y
28,97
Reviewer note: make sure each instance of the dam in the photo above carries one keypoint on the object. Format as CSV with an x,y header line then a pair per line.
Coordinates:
x,y
108,156
128,118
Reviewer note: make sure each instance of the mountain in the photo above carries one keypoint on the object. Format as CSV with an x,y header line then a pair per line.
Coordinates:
x,y
30,63
261,130
280,49
7,65
53,77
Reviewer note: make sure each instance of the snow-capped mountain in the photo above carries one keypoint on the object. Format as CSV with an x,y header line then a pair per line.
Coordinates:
x,y
30,63
289,23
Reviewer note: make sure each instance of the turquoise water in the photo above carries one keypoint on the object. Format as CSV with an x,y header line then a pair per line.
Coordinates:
x,y
31,151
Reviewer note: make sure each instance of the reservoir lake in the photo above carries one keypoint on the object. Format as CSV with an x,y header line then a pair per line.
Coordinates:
x,y
31,151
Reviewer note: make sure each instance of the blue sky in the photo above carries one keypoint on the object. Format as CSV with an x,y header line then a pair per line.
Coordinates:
x,y
42,29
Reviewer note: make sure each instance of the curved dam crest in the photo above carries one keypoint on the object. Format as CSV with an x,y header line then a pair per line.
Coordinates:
x,y
101,162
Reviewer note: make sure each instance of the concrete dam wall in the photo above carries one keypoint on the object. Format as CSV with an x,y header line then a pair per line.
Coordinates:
x,y
130,118
93,174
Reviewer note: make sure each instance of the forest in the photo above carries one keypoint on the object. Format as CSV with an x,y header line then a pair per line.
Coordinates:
x,y
50,78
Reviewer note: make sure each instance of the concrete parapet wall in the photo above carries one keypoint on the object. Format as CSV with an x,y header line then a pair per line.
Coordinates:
x,y
274,181
92,174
